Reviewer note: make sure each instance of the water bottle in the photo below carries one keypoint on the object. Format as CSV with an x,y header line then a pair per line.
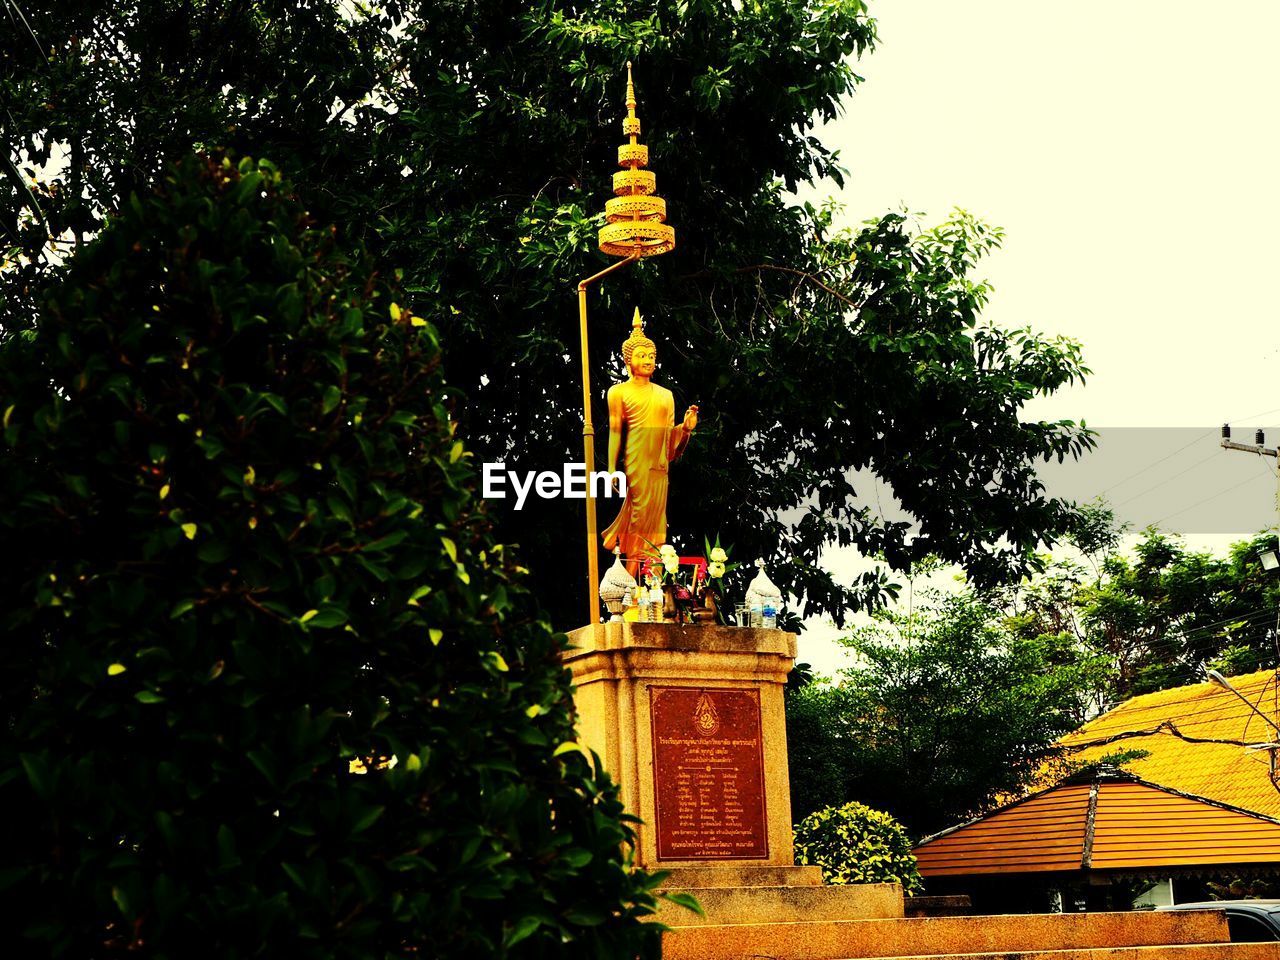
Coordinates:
x,y
757,614
769,616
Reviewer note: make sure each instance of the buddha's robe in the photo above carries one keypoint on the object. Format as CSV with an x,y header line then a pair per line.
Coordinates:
x,y
650,441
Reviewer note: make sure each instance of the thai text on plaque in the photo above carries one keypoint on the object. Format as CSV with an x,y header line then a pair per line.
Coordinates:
x,y
708,774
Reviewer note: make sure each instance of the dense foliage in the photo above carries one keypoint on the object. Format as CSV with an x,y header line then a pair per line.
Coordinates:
x,y
1158,611
855,844
1164,612
242,552
947,709
954,705
470,143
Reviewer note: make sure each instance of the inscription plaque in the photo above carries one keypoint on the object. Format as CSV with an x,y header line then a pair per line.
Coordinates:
x,y
708,774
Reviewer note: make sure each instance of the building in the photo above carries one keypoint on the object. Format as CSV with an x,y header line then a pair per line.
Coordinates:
x,y
1173,791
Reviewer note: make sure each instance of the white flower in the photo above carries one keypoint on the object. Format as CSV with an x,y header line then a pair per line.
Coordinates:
x,y
718,556
716,569
672,564
667,550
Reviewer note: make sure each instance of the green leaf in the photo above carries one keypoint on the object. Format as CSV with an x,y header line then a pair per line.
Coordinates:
x,y
265,763
521,930
387,542
367,819
686,900
326,617
332,397
37,769
338,508
122,902
585,916
295,875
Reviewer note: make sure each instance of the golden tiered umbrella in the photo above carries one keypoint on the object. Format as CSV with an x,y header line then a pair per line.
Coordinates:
x,y
636,217
636,227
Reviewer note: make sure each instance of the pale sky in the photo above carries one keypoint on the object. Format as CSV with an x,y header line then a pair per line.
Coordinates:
x,y
1130,152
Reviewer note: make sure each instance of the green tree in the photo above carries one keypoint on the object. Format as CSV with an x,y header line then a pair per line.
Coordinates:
x,y
949,709
470,143
1158,611
1165,611
241,552
822,749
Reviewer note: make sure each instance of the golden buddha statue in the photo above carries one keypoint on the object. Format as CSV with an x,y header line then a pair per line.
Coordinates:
x,y
642,428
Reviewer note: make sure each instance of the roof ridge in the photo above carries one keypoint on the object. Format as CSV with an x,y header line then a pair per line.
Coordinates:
x,y
1201,799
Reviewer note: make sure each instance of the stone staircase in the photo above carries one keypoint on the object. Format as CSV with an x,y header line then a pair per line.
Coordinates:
x,y
786,914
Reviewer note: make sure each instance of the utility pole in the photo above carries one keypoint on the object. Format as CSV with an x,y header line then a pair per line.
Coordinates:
x,y
1258,448
1259,438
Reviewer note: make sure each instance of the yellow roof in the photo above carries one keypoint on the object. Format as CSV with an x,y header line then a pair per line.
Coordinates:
x,y
1172,725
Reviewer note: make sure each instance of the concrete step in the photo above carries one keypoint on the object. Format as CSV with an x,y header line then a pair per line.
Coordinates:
x,y
1200,951
956,905
735,905
944,936
688,878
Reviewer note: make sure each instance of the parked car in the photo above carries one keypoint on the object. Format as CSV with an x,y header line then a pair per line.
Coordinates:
x,y
1249,921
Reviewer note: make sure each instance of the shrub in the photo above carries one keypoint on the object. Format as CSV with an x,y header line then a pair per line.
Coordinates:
x,y
855,844
241,553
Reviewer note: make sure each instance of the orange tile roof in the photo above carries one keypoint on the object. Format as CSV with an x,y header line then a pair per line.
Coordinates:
x,y
1167,724
1141,826
1045,832
1109,820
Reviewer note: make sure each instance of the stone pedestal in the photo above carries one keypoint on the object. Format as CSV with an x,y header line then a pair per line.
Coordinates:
x,y
689,722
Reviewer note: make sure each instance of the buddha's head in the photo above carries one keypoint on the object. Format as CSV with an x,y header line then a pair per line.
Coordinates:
x,y
639,352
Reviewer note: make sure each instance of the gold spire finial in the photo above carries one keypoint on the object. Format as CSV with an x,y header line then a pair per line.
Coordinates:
x,y
636,218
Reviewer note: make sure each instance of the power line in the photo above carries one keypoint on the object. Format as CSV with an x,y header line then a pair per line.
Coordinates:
x,y
1222,703
1214,496
1260,612
1256,618
1167,726
1170,478
1255,416
1261,615
1142,470
1194,440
